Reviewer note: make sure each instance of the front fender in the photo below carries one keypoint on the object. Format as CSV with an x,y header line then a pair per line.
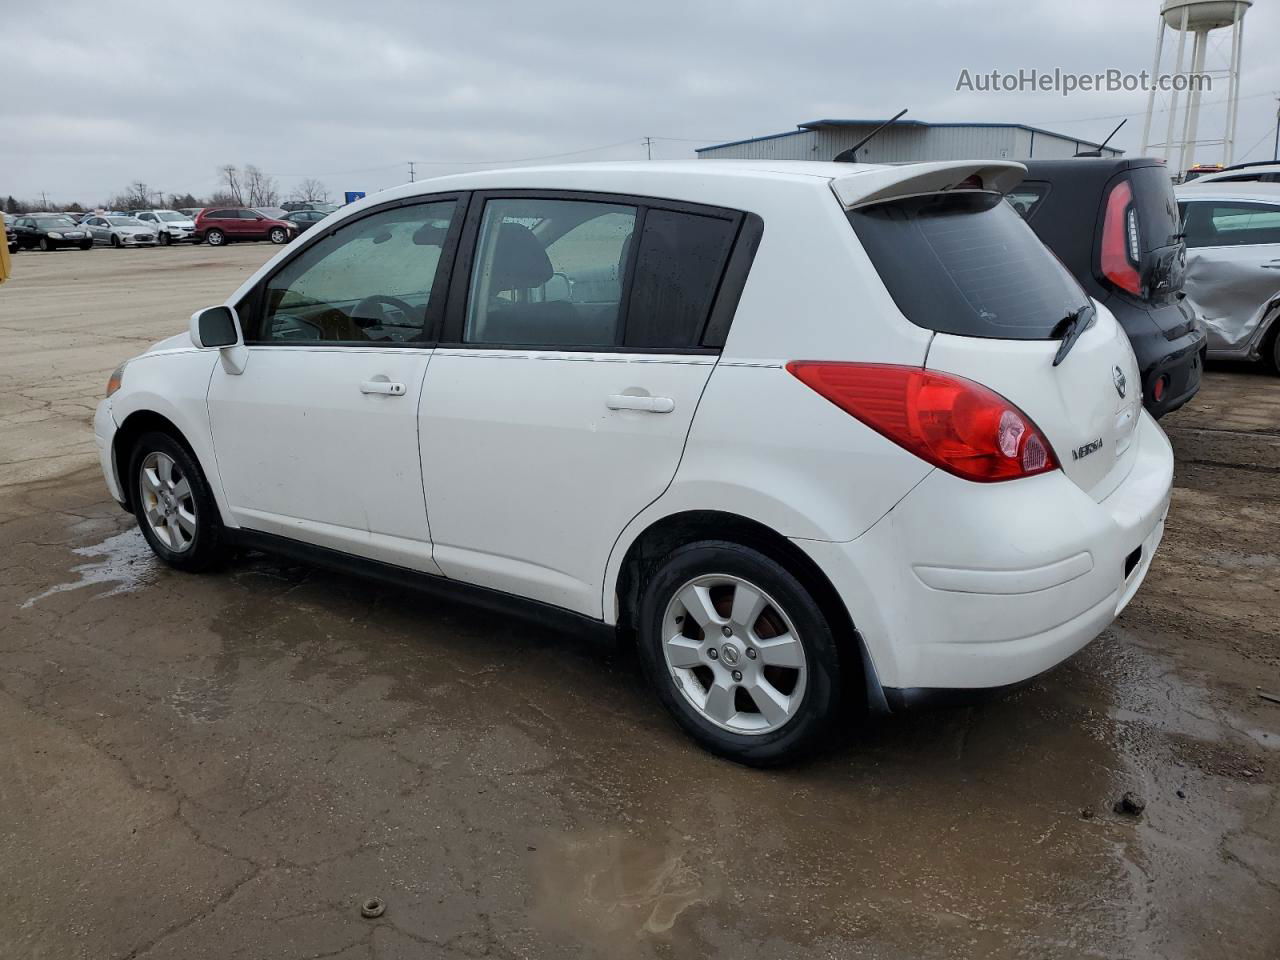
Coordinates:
x,y
175,385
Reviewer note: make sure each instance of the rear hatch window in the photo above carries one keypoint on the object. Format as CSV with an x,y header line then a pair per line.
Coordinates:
x,y
965,263
1161,262
1158,224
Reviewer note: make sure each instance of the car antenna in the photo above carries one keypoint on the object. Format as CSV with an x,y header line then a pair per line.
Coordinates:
x,y
1098,151
851,155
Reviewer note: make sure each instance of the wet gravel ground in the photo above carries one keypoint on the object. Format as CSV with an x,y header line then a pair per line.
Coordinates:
x,y
226,766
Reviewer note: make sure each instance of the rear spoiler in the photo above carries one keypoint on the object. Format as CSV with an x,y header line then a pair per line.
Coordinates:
x,y
877,184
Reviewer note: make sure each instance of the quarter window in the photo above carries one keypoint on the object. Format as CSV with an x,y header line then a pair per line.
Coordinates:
x,y
677,273
549,273
370,281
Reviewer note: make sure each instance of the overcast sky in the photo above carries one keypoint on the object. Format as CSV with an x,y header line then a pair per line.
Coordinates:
x,y
98,94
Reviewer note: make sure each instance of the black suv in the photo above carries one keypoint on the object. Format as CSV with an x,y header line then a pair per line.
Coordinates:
x,y
1114,223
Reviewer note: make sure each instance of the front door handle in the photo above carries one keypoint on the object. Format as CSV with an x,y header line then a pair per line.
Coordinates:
x,y
385,387
624,401
1273,265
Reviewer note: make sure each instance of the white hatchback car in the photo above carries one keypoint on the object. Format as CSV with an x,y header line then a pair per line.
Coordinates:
x,y
812,432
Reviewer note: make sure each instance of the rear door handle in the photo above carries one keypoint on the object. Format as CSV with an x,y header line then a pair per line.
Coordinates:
x,y
624,401
1273,265
385,387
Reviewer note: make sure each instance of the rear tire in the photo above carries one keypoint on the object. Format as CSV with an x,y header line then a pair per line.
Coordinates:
x,y
761,683
215,238
173,504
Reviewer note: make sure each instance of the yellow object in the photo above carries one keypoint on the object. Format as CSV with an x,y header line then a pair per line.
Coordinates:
x,y
5,266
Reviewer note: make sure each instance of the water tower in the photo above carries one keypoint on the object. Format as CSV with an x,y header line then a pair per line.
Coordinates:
x,y
1198,18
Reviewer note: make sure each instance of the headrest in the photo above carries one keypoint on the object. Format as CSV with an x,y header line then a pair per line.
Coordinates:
x,y
519,261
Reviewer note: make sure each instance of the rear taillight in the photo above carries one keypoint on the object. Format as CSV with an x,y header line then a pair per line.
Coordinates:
x,y
1120,247
951,422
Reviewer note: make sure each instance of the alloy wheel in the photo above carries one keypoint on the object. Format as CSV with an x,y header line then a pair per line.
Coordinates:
x,y
167,501
734,654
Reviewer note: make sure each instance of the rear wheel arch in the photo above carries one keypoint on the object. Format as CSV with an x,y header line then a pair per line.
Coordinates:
x,y
647,552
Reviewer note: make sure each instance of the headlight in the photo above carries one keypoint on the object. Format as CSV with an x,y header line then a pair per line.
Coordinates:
x,y
54,235
116,379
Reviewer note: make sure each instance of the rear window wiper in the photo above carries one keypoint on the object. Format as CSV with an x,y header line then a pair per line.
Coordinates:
x,y
1069,329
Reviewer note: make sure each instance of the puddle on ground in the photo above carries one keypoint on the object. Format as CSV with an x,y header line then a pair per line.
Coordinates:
x,y
127,563
616,884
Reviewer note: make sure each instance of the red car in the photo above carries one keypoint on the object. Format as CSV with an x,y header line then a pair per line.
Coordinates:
x,y
219,225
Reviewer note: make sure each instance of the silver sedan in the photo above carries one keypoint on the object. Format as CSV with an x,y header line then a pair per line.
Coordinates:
x,y
120,231
1233,266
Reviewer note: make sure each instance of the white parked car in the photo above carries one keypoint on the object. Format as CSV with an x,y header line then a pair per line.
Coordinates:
x,y
170,225
809,431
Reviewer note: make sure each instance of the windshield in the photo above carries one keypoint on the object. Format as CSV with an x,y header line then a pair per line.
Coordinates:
x,y
52,223
169,216
125,222
966,263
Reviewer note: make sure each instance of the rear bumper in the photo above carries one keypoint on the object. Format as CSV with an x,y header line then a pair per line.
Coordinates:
x,y
1178,362
966,586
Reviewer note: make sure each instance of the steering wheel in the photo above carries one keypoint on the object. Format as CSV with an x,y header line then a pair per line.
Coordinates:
x,y
379,299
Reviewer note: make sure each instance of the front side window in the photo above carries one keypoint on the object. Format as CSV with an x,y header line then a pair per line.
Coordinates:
x,y
370,281
1227,223
549,273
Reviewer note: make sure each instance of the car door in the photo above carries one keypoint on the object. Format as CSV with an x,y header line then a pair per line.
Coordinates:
x,y
317,438
1233,267
559,400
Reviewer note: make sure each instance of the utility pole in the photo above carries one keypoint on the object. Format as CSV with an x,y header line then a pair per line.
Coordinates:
x,y
648,148
1275,154
411,171
44,200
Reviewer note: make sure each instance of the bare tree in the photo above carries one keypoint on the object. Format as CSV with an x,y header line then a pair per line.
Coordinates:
x,y
229,177
311,190
261,188
136,196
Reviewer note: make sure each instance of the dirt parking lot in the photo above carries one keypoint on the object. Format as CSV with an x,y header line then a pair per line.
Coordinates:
x,y
225,766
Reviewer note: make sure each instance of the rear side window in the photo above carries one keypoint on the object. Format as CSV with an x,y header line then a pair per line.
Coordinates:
x,y
1230,223
220,214
965,263
1026,197
678,269
549,273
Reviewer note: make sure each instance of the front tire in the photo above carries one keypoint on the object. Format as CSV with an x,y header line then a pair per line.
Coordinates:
x,y
45,245
86,245
740,653
173,504
278,235
165,240
115,241
215,238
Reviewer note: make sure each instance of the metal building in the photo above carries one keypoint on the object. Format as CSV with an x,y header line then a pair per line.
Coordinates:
x,y
907,140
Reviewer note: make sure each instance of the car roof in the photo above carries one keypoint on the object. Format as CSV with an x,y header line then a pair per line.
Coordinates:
x,y
1086,166
731,183
1219,190
621,176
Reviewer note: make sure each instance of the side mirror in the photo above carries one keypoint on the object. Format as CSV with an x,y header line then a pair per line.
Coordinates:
x,y
218,328
215,327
